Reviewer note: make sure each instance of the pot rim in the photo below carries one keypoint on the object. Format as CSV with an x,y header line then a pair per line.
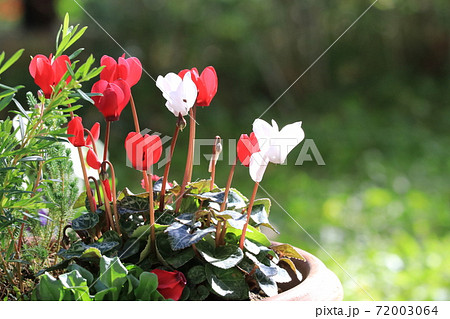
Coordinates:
x,y
318,284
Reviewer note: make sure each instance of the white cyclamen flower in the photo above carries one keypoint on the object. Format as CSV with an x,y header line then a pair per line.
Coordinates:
x,y
179,93
274,145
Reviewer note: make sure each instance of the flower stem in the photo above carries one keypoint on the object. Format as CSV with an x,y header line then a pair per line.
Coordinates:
x,y
107,133
167,168
222,226
228,186
135,117
136,126
114,194
249,212
86,180
152,214
217,149
190,157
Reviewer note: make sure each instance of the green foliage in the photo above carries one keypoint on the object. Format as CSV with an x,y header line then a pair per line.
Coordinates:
x,y
114,282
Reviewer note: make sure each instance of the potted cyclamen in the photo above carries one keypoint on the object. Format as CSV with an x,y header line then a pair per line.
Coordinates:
x,y
187,241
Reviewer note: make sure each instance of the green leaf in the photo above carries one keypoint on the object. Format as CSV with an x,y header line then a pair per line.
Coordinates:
x,y
130,248
21,109
110,236
266,283
62,265
50,289
5,102
252,233
199,293
32,159
85,96
170,257
227,283
223,257
196,275
100,295
85,221
260,217
133,205
113,274
86,274
286,250
91,253
76,284
11,60
182,236
75,54
148,282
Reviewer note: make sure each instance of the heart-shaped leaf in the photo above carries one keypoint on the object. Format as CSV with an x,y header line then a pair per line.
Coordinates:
x,y
224,257
228,283
85,221
182,236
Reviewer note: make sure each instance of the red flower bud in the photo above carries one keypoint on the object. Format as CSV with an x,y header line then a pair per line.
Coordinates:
x,y
170,283
143,151
129,70
115,97
206,84
246,146
47,73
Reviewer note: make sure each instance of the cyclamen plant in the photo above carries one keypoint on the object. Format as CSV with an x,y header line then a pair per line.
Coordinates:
x,y
187,241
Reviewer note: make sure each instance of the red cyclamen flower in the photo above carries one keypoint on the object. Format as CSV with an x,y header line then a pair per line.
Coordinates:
x,y
47,73
129,70
246,146
170,283
75,128
115,97
143,151
206,84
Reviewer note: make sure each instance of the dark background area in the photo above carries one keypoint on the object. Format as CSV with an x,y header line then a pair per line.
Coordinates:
x,y
376,106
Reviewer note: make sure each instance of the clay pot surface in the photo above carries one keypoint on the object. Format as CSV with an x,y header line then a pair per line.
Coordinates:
x,y
318,283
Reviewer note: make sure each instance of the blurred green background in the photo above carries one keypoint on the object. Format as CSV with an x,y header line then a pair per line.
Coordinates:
x,y
376,105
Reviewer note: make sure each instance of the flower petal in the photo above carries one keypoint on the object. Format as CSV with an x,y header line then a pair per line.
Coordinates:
x,y
75,128
134,71
95,132
92,159
258,165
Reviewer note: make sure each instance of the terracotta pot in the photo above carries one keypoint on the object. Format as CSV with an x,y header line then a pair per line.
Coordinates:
x,y
318,284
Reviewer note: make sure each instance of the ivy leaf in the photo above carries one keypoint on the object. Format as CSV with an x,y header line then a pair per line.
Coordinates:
x,y
286,250
224,257
182,236
227,283
85,221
